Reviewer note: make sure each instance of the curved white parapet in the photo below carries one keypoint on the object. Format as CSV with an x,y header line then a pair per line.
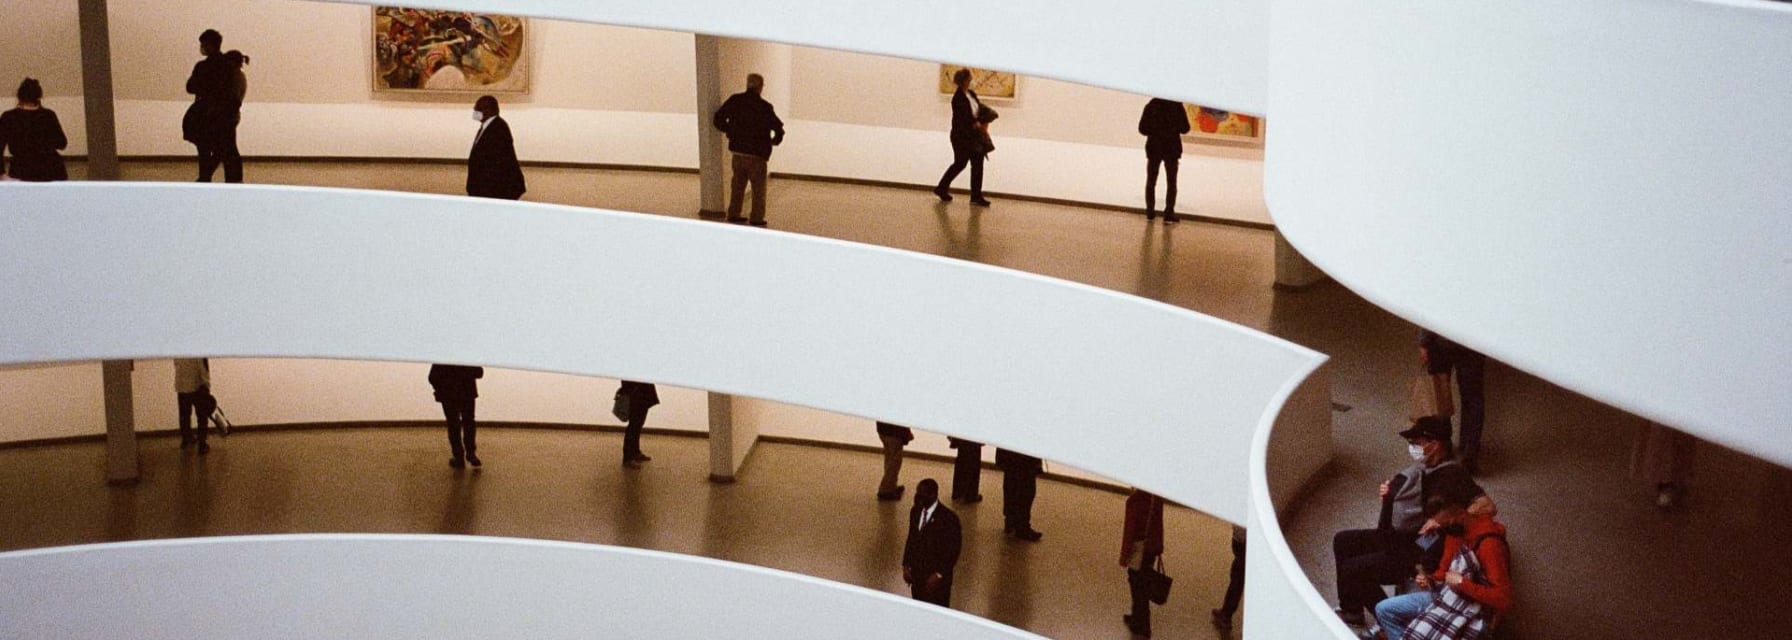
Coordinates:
x,y
1206,51
1595,192
432,586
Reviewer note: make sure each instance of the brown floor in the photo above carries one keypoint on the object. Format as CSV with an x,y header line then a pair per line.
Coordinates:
x,y
1594,558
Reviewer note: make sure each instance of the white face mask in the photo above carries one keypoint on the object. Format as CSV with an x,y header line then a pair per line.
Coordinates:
x,y
478,116
1417,452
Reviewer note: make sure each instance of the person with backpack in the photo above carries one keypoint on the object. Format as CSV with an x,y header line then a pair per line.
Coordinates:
x,y
1464,597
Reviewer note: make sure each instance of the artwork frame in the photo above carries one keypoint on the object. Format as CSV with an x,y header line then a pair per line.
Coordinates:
x,y
1209,123
425,52
990,85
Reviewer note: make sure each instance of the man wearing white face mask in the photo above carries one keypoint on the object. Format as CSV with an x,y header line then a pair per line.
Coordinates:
x,y
492,168
1366,559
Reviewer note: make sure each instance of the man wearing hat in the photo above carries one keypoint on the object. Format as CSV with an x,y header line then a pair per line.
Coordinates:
x,y
1366,559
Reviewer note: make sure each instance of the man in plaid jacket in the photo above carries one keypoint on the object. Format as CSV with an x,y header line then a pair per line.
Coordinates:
x,y
1464,598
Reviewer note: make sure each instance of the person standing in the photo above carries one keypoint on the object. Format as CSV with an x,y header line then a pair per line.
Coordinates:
x,y
1020,483
930,554
456,388
194,400
641,397
753,128
1441,357
1222,617
894,438
492,167
35,136
210,124
967,470
968,141
1141,544
1162,123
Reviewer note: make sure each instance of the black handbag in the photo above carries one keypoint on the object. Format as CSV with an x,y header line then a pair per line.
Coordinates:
x,y
192,124
621,408
1154,583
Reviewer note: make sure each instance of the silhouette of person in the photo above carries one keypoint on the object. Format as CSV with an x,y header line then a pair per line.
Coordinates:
x,y
1020,483
1141,544
456,388
492,167
194,400
210,123
641,397
894,438
968,141
753,128
35,136
1162,123
930,555
967,470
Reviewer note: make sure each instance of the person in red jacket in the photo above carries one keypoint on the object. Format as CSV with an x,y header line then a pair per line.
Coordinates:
x,y
1141,544
1464,598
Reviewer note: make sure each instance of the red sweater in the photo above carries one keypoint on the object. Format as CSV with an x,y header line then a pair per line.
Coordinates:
x,y
1143,510
1497,593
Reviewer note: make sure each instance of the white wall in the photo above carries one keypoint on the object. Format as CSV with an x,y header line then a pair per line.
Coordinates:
x,y
611,95
445,587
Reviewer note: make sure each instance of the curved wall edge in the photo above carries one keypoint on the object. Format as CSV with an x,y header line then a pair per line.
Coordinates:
x,y
400,586
1634,249
1169,47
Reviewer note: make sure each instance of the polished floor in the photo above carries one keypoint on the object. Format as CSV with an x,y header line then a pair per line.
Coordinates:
x,y
1594,557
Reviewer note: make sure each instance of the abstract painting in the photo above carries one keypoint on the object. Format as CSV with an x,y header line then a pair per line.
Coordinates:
x,y
425,50
1000,85
1219,123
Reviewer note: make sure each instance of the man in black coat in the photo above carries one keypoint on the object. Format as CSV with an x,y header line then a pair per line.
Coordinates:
x,y
641,396
1020,482
1162,123
492,168
934,540
967,141
210,124
753,128
967,469
456,387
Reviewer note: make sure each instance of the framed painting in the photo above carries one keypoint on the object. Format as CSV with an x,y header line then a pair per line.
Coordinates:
x,y
992,85
430,51
1208,122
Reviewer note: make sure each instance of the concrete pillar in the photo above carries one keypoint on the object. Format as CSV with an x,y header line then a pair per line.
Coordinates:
x,y
1292,269
121,422
96,86
711,144
729,441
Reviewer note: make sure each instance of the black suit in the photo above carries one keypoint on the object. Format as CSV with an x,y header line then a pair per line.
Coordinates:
x,y
492,168
930,550
1020,482
456,387
967,144
1162,123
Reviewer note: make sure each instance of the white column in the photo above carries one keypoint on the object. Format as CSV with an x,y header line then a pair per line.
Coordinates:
x,y
1292,269
729,441
711,145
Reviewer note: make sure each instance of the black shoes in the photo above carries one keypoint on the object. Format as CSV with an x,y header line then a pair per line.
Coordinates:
x,y
736,220
969,499
944,195
457,462
472,459
1150,215
1028,534
634,461
893,494
979,202
1170,217
204,448
1352,618
1142,630
1222,620
186,441
757,223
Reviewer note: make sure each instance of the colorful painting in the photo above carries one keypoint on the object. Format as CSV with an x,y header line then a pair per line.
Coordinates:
x,y
1000,85
424,50
1217,123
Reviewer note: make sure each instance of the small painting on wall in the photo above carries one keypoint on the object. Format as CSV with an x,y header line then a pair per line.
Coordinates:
x,y
1209,122
999,85
430,51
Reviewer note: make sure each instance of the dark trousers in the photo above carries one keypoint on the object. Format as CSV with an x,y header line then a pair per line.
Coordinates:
x,y
194,407
460,428
1234,588
1368,558
1141,603
631,437
1170,166
221,149
1018,489
967,470
962,155
941,596
1471,371
747,169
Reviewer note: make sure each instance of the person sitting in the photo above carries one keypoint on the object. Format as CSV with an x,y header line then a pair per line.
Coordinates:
x,y
1366,559
1464,597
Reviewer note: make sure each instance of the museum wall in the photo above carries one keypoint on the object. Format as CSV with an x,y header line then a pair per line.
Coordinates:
x,y
607,95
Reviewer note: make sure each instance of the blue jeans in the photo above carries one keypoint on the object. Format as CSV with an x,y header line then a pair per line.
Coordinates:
x,y
1397,612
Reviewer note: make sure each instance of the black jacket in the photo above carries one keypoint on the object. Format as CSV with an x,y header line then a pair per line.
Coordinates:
x,y
934,549
1162,123
966,136
34,136
455,383
751,123
1015,461
641,395
492,168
